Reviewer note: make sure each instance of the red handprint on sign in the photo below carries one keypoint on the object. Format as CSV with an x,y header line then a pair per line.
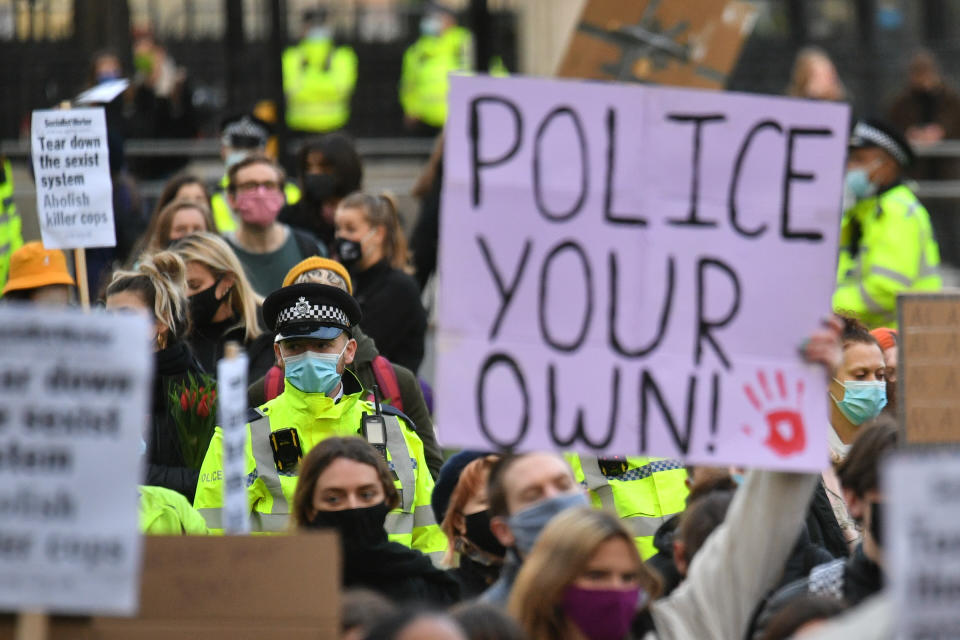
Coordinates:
x,y
786,434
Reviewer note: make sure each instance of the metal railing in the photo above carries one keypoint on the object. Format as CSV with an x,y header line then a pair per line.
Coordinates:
x,y
209,149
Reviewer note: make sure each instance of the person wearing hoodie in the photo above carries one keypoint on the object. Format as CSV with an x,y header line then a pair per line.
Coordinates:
x,y
400,390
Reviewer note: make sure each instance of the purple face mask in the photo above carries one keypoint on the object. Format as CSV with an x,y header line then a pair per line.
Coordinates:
x,y
602,614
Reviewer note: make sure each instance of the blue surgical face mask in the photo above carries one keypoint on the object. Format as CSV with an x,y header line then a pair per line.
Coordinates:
x,y
313,372
527,524
862,400
857,182
431,25
234,157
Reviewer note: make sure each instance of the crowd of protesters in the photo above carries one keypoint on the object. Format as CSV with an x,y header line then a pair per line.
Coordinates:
x,y
314,280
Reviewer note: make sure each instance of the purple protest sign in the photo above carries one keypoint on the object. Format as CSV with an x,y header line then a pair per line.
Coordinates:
x,y
631,270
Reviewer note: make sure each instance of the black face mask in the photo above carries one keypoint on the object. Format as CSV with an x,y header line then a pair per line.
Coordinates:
x,y
204,305
876,522
358,527
348,251
319,187
479,533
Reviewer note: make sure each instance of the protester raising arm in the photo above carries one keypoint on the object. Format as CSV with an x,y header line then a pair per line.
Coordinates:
x,y
744,557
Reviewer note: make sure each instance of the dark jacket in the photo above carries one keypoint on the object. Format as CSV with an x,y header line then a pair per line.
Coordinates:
x,y
663,561
401,574
165,465
308,217
392,313
473,577
208,343
853,580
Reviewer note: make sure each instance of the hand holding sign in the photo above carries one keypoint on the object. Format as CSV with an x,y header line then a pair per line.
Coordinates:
x,y
620,262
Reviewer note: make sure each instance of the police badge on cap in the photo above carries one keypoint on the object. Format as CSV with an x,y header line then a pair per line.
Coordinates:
x,y
310,310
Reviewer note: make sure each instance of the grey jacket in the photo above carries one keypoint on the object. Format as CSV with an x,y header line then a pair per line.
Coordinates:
x,y
739,563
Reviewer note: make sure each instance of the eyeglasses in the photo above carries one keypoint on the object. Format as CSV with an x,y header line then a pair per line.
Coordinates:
x,y
269,185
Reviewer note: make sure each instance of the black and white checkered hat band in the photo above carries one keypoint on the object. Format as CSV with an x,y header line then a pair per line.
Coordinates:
x,y
863,131
244,127
303,311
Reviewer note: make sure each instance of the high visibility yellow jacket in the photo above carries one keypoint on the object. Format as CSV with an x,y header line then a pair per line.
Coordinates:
x,y
886,247
164,512
424,80
318,80
644,494
11,237
223,216
317,417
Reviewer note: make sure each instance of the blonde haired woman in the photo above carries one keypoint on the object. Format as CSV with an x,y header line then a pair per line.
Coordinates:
x,y
815,77
583,579
157,287
171,222
223,305
737,566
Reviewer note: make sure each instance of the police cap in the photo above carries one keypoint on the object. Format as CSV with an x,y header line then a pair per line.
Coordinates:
x,y
873,133
244,131
310,310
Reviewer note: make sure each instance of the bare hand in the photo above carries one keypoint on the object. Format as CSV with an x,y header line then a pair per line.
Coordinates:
x,y
824,346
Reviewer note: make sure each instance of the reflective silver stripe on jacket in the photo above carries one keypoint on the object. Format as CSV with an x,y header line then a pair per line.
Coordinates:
x,y
404,521
267,471
896,276
213,516
641,526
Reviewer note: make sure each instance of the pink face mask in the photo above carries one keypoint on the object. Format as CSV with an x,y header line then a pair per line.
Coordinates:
x,y
259,206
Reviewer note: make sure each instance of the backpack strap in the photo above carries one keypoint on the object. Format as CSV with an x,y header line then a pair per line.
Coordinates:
x,y
386,378
273,383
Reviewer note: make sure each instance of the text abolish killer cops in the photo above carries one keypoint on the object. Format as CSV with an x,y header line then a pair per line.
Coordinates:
x,y
39,428
697,274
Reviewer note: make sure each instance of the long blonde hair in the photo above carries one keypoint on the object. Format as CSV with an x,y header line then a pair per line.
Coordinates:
x,y
381,211
559,557
160,281
215,254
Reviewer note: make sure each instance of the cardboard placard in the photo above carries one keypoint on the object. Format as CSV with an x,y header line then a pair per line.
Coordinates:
x,y
74,397
631,270
921,488
928,367
685,43
225,588
72,168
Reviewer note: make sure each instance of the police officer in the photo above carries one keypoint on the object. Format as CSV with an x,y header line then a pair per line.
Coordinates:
x,y
241,136
11,237
443,48
644,492
318,78
313,323
886,241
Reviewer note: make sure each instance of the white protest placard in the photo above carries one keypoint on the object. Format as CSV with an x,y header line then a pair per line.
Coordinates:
x,y
74,400
921,490
71,165
232,417
631,270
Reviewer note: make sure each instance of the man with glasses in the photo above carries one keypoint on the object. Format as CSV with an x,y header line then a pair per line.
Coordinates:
x,y
266,248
